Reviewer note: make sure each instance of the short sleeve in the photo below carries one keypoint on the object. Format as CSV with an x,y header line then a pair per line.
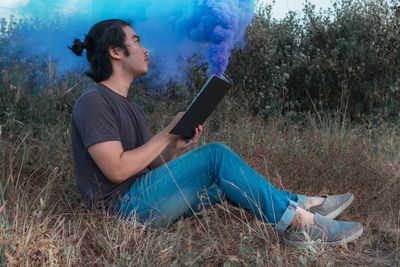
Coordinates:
x,y
95,120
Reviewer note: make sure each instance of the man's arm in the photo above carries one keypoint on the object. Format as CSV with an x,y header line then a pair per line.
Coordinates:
x,y
118,165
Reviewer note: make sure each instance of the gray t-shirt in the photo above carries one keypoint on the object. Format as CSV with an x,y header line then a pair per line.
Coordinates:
x,y
102,115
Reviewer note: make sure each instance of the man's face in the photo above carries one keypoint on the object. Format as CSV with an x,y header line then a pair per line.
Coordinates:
x,y
137,62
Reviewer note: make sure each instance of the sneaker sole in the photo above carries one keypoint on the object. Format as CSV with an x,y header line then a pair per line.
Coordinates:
x,y
339,210
304,245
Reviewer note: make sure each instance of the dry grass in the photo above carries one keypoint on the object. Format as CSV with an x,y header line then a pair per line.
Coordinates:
x,y
43,223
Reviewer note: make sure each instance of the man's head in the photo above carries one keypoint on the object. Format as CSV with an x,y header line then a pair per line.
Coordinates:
x,y
108,40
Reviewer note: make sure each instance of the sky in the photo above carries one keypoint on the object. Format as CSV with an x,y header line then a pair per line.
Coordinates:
x,y
281,7
8,7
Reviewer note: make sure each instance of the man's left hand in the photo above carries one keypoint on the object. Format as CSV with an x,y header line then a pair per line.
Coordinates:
x,y
182,143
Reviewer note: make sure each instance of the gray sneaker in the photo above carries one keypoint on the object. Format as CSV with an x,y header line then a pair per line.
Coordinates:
x,y
324,231
332,206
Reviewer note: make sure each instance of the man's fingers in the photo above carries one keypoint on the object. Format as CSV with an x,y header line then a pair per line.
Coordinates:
x,y
196,135
197,132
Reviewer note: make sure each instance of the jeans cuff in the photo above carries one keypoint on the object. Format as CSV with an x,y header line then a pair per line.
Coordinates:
x,y
287,217
301,199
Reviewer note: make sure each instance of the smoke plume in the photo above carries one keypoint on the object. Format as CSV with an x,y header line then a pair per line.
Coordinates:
x,y
177,33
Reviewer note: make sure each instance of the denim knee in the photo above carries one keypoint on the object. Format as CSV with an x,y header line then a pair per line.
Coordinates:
x,y
218,146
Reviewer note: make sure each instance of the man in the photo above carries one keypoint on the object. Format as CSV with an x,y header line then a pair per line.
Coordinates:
x,y
119,168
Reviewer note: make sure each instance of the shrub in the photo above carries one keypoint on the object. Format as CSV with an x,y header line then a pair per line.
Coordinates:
x,y
343,60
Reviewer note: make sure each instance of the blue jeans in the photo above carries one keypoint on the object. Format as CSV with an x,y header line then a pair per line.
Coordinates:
x,y
207,175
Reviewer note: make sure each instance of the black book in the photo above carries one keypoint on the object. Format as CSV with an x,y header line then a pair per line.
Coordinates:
x,y
202,106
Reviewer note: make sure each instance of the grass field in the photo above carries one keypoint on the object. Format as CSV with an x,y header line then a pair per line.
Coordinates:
x,y
43,223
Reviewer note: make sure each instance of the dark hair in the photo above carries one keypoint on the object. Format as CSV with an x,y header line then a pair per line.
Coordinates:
x,y
102,36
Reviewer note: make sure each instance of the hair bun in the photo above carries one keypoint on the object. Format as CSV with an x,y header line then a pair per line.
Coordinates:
x,y
77,47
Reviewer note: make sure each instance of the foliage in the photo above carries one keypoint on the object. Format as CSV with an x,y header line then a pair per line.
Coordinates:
x,y
345,60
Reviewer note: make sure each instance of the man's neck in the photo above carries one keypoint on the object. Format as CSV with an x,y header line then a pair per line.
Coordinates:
x,y
120,85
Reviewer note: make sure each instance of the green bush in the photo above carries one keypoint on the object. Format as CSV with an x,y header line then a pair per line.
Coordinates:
x,y
344,60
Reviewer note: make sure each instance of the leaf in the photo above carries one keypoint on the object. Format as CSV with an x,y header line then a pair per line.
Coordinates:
x,y
394,89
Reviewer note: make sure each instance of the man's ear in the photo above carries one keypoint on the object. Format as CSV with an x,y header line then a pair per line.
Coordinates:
x,y
115,52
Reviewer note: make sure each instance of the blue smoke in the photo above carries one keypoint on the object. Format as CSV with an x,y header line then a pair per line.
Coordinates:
x,y
177,33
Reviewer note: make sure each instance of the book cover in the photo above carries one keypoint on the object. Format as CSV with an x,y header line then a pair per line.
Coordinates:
x,y
202,106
